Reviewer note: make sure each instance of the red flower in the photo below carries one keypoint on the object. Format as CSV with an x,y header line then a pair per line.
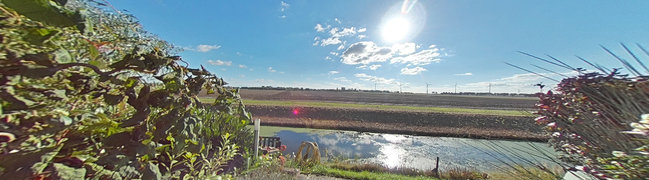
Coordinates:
x,y
282,147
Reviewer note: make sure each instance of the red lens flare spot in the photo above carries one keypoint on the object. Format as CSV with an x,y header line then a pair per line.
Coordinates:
x,y
296,111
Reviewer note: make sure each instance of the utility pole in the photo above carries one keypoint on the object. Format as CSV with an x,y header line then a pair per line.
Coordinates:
x,y
374,86
455,88
489,88
427,87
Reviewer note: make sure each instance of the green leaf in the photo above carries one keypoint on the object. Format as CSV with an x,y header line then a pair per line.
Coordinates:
x,y
94,53
65,120
65,172
43,11
63,56
38,35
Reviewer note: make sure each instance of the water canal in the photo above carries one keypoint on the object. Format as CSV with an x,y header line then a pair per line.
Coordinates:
x,y
405,151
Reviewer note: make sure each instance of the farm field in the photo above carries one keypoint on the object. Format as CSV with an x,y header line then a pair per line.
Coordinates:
x,y
414,114
476,102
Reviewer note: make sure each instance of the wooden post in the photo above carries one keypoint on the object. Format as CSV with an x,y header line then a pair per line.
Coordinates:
x,y
256,139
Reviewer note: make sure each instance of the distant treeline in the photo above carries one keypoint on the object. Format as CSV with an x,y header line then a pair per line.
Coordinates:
x,y
385,91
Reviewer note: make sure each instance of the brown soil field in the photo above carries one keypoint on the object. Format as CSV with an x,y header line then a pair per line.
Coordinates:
x,y
413,123
401,122
479,102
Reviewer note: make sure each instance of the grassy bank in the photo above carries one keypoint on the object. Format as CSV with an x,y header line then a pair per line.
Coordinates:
x,y
450,110
348,174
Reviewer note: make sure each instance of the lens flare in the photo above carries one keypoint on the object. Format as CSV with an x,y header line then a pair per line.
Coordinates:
x,y
296,111
407,6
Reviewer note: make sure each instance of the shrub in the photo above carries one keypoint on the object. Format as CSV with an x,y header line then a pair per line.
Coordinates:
x,y
590,117
85,93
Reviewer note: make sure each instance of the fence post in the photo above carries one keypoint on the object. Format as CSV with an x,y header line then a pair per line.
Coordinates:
x,y
256,148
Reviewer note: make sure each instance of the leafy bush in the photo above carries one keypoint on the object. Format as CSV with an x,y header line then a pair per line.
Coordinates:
x,y
590,120
86,93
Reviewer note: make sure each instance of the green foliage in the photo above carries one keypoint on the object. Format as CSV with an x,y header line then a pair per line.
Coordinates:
x,y
88,94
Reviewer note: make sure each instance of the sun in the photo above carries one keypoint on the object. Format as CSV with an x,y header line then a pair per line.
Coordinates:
x,y
395,29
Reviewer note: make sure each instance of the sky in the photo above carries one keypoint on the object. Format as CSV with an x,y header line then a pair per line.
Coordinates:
x,y
447,45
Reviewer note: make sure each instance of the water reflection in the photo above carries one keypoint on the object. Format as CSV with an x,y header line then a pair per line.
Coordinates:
x,y
419,152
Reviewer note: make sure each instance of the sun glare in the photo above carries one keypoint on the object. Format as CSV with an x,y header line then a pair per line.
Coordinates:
x,y
395,29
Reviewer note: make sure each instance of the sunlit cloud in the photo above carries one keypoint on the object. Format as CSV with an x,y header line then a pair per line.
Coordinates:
x,y
219,62
404,48
332,72
341,47
464,74
361,36
333,35
338,20
203,48
380,80
330,41
320,28
370,67
270,69
242,66
365,52
420,58
362,30
412,71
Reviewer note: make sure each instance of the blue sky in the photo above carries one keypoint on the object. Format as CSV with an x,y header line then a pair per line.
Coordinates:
x,y
360,44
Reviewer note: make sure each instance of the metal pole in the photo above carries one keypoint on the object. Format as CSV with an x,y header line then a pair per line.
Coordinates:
x,y
256,139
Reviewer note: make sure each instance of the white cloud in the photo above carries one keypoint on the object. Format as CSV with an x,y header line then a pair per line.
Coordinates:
x,y
343,79
335,34
420,58
334,53
282,16
284,6
370,67
380,80
328,58
464,74
242,66
341,47
366,52
362,30
337,20
344,32
320,28
374,67
514,83
405,48
412,71
203,48
361,36
219,62
270,69
330,41
332,72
